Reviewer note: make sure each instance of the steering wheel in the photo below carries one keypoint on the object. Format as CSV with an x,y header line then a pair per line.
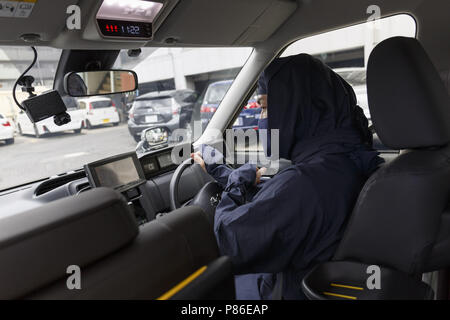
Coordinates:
x,y
207,198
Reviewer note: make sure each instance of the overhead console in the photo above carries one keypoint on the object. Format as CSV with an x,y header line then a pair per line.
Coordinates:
x,y
131,24
133,21
128,19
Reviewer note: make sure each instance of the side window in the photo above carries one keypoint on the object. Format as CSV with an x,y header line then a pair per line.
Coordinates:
x,y
248,122
82,105
214,94
210,99
249,116
347,51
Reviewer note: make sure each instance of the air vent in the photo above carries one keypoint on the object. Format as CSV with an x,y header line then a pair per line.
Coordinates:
x,y
54,183
82,187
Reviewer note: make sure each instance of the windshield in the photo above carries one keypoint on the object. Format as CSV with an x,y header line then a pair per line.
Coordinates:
x,y
172,85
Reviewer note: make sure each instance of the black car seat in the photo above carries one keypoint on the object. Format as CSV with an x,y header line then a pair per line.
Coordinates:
x,y
97,232
401,222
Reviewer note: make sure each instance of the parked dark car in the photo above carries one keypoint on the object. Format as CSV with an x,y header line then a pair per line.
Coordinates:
x,y
247,119
157,109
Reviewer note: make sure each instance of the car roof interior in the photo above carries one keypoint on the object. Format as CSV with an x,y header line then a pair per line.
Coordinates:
x,y
268,24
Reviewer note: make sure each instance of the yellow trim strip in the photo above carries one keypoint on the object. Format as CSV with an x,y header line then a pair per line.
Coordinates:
x,y
345,286
169,294
339,295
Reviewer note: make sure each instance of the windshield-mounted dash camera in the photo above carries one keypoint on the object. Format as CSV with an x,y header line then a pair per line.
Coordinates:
x,y
43,106
46,105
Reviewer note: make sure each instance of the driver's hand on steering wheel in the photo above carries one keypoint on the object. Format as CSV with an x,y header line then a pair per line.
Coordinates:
x,y
259,173
197,157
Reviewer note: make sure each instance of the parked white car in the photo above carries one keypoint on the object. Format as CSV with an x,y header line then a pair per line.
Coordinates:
x,y
26,127
98,111
6,130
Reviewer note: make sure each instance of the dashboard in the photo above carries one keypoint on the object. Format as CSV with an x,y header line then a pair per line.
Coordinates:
x,y
144,181
157,164
148,194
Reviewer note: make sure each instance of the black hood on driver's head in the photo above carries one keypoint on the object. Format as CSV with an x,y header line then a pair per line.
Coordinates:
x,y
315,111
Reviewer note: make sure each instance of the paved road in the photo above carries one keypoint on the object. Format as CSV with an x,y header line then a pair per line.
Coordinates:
x,y
29,158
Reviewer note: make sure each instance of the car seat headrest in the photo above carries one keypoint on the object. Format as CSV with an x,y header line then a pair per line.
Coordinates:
x,y
408,101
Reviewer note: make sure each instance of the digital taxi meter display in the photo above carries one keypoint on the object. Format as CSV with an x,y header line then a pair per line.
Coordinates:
x,y
127,18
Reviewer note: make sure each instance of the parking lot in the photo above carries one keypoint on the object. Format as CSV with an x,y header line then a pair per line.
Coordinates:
x,y
30,159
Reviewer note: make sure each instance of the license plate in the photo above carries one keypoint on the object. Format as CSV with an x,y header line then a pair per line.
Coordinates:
x,y
105,120
151,118
239,122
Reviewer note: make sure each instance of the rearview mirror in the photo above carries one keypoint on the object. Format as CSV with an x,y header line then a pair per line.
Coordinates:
x,y
94,83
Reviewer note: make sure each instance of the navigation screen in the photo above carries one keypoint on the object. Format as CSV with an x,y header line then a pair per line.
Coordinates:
x,y
117,173
120,172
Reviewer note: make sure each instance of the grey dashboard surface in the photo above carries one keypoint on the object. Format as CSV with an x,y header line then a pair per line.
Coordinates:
x,y
155,191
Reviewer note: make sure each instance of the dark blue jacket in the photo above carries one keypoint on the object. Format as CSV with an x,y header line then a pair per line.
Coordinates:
x,y
295,220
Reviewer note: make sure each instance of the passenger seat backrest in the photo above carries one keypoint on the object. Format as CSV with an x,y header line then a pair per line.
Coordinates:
x,y
440,253
97,232
165,253
401,209
37,246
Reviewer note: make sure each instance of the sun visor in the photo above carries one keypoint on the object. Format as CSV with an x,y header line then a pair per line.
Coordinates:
x,y
268,21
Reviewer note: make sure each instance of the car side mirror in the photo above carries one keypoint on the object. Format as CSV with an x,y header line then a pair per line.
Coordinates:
x,y
105,82
156,137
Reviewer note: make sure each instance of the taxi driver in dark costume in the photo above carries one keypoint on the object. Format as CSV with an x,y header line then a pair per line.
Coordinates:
x,y
288,224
